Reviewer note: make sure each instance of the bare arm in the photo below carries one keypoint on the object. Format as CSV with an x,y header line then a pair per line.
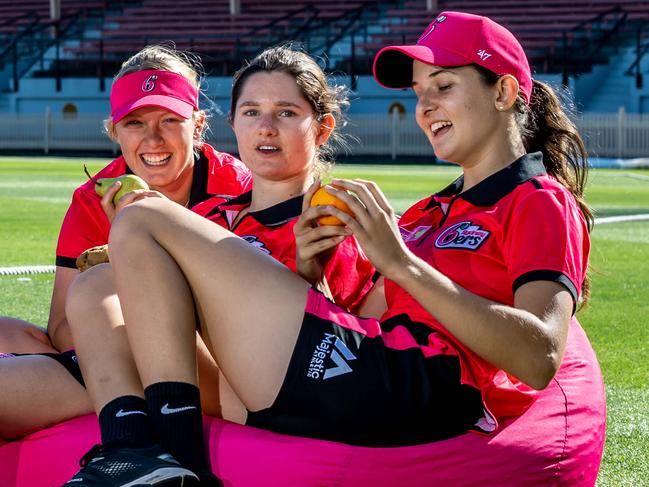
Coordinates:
x,y
526,340
57,324
374,304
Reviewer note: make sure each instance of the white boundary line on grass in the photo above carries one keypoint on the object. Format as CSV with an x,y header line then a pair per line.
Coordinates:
x,y
49,269
621,218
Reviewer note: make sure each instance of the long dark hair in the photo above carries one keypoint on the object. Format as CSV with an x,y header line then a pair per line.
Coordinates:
x,y
546,127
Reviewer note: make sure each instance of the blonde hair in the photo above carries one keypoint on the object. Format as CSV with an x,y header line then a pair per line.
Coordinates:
x,y
164,58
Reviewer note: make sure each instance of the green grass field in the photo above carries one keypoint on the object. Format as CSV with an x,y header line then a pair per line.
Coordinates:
x,y
34,194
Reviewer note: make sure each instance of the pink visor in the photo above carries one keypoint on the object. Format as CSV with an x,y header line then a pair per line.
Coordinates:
x,y
153,88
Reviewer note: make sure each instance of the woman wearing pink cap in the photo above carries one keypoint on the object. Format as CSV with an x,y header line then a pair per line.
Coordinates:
x,y
472,313
156,120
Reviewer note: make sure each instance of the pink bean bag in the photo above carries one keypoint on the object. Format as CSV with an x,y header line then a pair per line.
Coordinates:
x,y
558,441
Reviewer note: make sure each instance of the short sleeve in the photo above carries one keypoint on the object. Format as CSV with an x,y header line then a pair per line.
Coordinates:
x,y
349,274
85,225
547,240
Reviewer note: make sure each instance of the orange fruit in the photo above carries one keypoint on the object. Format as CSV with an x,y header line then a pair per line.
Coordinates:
x,y
322,198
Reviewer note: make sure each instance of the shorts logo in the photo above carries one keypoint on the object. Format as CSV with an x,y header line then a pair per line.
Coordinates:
x,y
149,83
333,347
487,423
463,235
255,242
409,236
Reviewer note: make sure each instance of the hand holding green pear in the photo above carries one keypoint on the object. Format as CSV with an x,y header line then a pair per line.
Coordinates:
x,y
129,182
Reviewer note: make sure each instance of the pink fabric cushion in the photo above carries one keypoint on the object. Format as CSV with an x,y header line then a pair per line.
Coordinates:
x,y
558,441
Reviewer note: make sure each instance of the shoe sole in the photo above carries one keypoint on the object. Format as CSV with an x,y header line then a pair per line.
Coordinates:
x,y
186,482
166,477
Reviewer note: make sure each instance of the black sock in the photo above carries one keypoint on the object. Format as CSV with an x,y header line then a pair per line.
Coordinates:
x,y
125,422
175,412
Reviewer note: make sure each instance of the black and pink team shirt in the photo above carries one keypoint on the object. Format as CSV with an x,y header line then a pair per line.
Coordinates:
x,y
349,272
517,226
85,224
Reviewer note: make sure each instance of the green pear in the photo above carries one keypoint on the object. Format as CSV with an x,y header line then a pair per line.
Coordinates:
x,y
129,182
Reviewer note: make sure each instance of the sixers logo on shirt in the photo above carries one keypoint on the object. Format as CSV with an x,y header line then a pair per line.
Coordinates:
x,y
463,235
255,242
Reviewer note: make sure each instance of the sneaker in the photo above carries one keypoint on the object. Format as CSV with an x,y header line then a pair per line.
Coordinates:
x,y
208,479
105,466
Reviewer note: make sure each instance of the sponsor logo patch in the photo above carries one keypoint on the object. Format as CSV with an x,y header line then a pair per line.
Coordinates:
x,y
331,351
463,235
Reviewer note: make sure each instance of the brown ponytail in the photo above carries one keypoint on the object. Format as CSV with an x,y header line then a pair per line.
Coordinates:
x,y
550,131
547,128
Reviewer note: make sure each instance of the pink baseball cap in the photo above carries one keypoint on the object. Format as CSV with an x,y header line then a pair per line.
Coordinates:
x,y
156,88
457,39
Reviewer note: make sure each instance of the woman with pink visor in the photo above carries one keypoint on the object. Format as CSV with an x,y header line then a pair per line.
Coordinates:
x,y
476,301
159,126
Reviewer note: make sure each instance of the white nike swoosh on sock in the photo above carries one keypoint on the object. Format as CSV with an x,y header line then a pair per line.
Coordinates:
x,y
121,413
167,410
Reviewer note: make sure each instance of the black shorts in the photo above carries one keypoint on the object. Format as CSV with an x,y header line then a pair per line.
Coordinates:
x,y
344,384
67,359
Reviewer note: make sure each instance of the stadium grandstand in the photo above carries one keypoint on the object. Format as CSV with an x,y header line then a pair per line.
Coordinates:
x,y
57,58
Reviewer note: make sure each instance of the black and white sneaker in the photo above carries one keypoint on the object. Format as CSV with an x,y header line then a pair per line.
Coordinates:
x,y
105,466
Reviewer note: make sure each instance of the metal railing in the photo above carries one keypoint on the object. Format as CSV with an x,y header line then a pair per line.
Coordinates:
x,y
620,135
642,47
582,45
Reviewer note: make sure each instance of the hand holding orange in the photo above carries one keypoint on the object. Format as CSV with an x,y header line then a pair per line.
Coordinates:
x,y
322,198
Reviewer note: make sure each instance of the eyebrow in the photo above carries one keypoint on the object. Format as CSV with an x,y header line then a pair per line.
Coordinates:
x,y
252,103
440,71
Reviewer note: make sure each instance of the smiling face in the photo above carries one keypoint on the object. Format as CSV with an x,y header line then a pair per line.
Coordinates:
x,y
276,129
456,110
158,146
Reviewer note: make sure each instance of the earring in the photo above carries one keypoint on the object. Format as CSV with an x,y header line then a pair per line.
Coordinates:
x,y
500,108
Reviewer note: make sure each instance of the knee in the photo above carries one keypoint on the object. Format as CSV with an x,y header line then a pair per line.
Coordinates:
x,y
18,336
134,225
87,291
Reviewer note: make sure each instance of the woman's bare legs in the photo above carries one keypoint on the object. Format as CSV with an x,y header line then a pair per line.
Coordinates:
x,y
165,259
217,397
106,360
19,336
30,382
170,265
97,326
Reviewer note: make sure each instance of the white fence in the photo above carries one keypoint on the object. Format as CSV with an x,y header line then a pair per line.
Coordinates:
x,y
618,135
